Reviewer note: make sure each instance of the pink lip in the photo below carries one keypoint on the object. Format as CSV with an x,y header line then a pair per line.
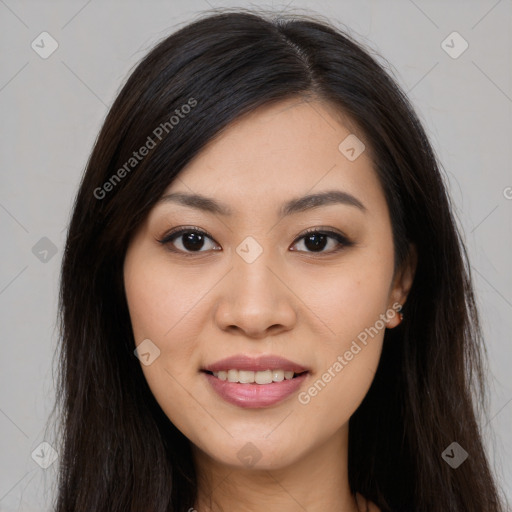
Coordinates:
x,y
260,363
255,395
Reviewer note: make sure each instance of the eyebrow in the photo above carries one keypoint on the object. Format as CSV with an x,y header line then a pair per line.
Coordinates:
x,y
297,205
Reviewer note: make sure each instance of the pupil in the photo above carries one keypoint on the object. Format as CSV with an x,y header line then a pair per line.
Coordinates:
x,y
315,245
190,244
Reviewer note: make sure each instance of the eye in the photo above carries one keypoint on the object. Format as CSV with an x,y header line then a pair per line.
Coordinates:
x,y
315,240
192,240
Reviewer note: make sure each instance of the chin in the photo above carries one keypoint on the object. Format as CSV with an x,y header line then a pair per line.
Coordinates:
x,y
254,453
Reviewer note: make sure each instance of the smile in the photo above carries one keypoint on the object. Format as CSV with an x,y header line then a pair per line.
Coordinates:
x,y
257,377
255,381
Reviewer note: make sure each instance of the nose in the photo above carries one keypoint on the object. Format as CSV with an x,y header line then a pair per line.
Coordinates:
x,y
255,299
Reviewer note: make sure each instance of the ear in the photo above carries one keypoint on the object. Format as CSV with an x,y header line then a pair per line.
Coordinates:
x,y
401,285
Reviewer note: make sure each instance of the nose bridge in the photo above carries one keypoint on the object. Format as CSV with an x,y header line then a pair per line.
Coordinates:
x,y
251,264
254,299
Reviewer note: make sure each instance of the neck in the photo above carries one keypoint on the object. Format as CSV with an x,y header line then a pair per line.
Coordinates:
x,y
318,481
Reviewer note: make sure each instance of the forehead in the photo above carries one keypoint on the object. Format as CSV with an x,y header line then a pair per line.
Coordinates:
x,y
282,151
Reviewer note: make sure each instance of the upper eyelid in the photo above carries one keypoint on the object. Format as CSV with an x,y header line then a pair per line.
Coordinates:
x,y
182,230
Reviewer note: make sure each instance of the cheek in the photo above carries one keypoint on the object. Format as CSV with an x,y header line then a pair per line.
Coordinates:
x,y
346,364
350,302
162,303
348,298
163,308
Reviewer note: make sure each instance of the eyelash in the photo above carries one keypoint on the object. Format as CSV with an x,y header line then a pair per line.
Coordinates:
x,y
343,241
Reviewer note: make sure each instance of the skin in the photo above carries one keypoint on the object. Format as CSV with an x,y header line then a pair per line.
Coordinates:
x,y
291,301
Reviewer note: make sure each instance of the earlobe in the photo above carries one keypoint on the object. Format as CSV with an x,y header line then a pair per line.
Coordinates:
x,y
396,317
402,285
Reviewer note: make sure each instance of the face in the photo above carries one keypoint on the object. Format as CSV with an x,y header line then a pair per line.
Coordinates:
x,y
257,274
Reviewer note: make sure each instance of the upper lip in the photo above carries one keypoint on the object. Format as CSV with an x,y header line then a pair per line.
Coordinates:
x,y
258,363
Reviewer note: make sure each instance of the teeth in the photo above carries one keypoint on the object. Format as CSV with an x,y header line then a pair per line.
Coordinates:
x,y
278,375
250,377
263,377
245,377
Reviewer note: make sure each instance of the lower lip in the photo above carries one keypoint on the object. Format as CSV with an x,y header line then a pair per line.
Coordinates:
x,y
255,395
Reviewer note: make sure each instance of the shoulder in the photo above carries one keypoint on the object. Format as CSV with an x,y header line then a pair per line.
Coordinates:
x,y
366,505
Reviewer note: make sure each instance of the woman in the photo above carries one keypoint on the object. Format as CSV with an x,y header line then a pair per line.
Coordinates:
x,y
265,301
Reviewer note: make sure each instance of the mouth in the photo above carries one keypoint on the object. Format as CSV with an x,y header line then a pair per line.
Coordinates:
x,y
259,377
255,381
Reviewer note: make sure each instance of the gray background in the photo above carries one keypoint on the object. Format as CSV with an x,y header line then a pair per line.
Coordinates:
x,y
52,110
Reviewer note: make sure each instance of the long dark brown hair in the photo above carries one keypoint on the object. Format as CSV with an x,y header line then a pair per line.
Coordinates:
x,y
118,450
